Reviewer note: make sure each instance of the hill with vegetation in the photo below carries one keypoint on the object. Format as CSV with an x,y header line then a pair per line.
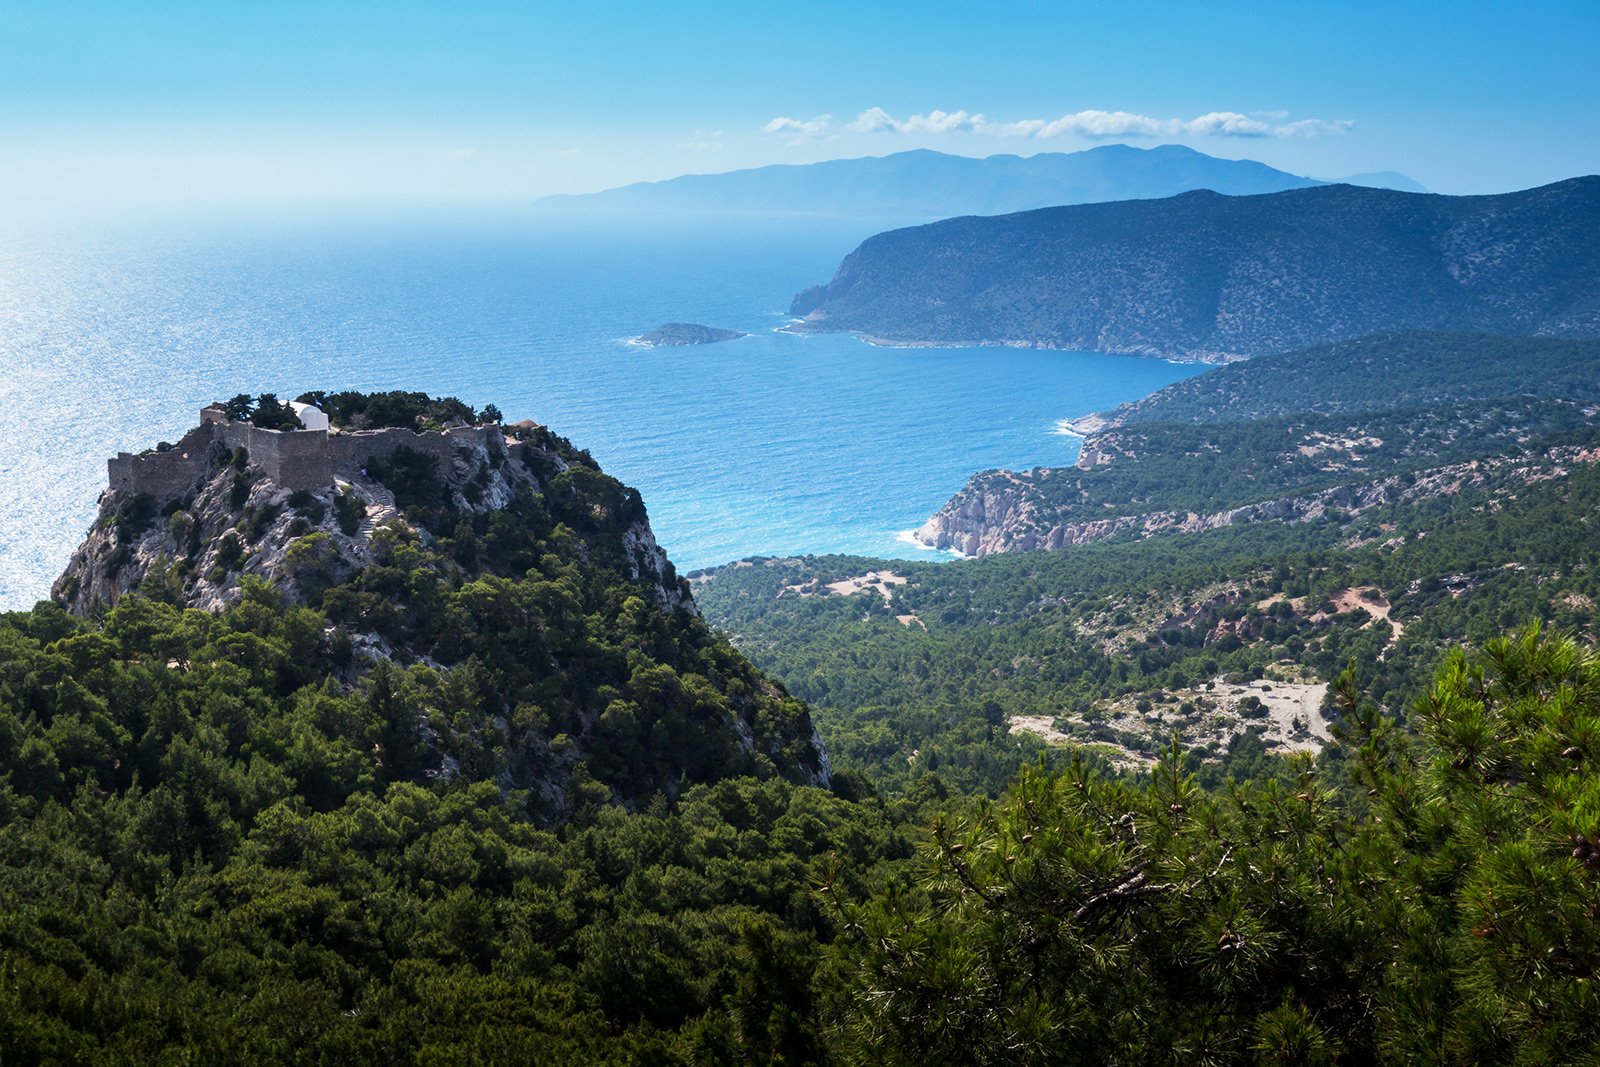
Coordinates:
x,y
1289,438
1224,636
1416,369
1181,798
1206,276
1241,780
1439,906
927,184
507,605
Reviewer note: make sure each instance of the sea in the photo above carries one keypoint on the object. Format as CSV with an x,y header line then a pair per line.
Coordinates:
x,y
114,335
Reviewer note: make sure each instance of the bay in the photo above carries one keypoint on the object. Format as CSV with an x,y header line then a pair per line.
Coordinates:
x,y
113,337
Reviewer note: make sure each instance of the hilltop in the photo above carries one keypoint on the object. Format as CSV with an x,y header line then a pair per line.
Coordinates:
x,y
1212,277
431,547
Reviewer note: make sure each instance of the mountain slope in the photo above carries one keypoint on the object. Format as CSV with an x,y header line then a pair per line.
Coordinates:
x,y
1203,276
1298,438
498,599
1397,370
924,183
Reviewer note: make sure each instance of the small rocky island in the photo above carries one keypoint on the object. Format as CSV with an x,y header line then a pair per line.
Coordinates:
x,y
687,333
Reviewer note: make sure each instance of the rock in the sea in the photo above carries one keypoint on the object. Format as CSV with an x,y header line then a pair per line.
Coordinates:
x,y
687,333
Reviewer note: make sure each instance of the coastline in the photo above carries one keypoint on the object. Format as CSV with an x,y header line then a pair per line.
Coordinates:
x,y
1085,425
909,537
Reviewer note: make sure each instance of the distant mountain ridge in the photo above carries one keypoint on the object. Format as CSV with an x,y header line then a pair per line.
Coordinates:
x,y
1381,179
1205,276
924,183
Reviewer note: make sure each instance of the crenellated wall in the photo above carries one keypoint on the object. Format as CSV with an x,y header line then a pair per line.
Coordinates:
x,y
294,459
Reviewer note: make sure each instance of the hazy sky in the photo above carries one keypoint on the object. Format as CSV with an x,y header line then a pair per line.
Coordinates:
x,y
134,103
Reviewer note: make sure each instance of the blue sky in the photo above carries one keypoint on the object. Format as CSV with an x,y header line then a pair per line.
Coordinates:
x,y
147,102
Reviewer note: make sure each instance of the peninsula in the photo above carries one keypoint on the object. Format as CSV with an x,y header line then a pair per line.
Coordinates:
x,y
1216,278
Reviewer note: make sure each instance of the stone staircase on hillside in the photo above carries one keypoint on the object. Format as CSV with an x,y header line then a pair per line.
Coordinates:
x,y
380,506
380,509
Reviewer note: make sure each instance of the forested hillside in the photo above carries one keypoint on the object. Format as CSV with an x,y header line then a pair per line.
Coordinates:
x,y
451,743
1289,438
1116,647
1203,276
1436,904
476,793
1418,369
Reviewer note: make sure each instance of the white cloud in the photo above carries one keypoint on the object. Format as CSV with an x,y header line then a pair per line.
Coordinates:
x,y
1093,124
703,141
873,120
1314,127
1021,128
877,120
800,130
461,155
1102,124
1226,124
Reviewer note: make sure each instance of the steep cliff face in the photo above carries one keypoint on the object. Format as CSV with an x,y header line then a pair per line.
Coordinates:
x,y
494,594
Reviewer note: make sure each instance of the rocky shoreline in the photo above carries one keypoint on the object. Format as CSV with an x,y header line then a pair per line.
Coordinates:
x,y
999,511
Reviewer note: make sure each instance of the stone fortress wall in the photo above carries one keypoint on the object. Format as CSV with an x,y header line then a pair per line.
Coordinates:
x,y
164,474
294,459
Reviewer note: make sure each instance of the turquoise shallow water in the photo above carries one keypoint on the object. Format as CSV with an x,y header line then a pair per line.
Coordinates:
x,y
776,443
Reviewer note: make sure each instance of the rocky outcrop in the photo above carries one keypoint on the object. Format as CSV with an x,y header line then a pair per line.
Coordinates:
x,y
1001,511
225,516
502,558
673,334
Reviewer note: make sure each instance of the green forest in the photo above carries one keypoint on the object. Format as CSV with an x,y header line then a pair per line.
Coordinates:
x,y
502,796
216,863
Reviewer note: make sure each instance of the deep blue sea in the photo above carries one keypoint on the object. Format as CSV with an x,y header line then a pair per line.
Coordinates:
x,y
113,337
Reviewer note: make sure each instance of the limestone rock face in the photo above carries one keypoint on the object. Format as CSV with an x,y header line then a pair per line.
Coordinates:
x,y
1002,511
211,515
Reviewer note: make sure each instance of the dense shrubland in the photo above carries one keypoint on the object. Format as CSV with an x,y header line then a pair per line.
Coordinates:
x,y
208,844
1440,905
499,796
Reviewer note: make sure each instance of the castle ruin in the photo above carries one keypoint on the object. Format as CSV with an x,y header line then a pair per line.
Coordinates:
x,y
294,459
